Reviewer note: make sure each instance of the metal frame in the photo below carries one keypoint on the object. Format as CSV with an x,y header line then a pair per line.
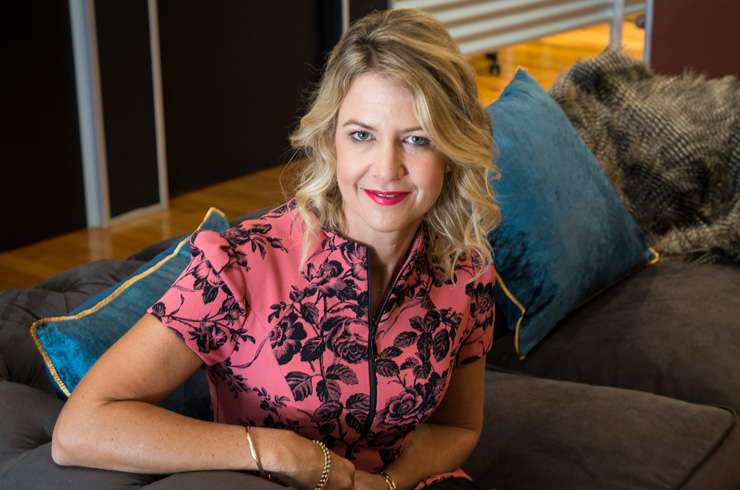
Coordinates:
x,y
345,15
90,109
486,26
649,17
164,192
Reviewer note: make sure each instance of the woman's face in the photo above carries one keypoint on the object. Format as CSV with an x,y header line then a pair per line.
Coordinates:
x,y
389,173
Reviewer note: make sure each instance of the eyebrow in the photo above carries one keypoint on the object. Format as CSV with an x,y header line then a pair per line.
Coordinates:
x,y
367,126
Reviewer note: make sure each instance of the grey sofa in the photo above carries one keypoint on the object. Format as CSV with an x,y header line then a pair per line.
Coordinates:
x,y
638,388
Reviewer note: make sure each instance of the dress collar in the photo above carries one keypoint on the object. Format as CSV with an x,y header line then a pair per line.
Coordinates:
x,y
330,239
416,248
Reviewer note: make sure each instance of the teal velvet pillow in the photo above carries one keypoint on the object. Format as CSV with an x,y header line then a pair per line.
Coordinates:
x,y
71,344
564,235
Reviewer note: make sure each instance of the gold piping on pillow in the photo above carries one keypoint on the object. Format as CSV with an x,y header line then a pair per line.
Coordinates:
x,y
103,302
523,310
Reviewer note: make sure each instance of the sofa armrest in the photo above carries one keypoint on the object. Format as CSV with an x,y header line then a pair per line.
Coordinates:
x,y
27,418
537,433
541,433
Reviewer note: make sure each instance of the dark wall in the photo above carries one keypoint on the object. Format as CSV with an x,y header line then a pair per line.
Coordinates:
x,y
330,20
128,105
233,75
329,27
360,9
41,172
696,34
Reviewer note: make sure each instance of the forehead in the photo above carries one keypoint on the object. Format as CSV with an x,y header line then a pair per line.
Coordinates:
x,y
378,100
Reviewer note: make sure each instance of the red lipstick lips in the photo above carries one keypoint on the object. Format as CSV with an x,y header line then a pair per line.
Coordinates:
x,y
386,198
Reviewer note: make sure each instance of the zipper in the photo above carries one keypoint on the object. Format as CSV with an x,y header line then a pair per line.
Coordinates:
x,y
371,336
371,351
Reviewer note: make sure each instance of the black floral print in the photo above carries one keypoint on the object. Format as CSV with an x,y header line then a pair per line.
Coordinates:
x,y
291,345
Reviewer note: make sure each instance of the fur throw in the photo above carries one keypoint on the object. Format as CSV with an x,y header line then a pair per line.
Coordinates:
x,y
669,145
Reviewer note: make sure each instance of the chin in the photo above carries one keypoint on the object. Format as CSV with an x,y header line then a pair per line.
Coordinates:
x,y
388,227
394,224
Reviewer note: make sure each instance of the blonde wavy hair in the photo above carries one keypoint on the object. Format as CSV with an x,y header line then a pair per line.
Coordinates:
x,y
411,47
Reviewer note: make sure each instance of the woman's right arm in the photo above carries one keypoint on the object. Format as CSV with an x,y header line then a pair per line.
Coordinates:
x,y
112,421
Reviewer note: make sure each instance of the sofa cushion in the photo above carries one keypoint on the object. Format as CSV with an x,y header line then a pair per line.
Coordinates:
x,y
36,470
226,480
71,344
671,329
720,470
27,418
541,433
19,308
564,234
537,433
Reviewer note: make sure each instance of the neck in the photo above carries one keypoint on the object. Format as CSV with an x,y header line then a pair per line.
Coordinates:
x,y
385,252
385,249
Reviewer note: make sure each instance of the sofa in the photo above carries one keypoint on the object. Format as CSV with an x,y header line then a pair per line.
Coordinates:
x,y
638,388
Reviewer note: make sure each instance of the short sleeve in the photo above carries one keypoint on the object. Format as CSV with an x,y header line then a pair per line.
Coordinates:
x,y
481,314
201,306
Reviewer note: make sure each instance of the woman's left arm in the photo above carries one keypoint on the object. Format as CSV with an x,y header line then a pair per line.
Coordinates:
x,y
445,441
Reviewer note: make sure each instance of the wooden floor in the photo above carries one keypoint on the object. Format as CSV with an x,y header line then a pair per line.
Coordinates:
x,y
544,59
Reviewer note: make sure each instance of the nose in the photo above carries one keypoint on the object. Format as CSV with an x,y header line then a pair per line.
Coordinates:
x,y
388,163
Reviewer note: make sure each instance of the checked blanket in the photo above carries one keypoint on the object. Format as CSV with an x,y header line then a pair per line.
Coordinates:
x,y
669,145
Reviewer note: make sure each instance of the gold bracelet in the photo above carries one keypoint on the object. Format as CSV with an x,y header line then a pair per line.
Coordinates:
x,y
389,481
255,456
327,466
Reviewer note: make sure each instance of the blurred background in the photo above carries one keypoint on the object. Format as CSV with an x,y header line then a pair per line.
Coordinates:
x,y
128,120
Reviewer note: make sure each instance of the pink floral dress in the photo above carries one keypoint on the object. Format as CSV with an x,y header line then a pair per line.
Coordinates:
x,y
293,347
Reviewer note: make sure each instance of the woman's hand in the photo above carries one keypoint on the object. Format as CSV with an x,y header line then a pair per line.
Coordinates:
x,y
342,475
307,464
369,481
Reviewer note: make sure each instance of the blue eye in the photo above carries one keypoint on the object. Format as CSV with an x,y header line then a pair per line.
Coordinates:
x,y
418,141
360,135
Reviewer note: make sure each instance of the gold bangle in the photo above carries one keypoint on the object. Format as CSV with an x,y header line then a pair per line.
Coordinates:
x,y
255,456
327,466
389,481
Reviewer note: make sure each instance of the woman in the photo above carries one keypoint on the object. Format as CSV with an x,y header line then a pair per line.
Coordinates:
x,y
344,331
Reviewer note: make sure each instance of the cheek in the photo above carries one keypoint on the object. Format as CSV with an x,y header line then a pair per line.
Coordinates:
x,y
350,168
430,177
342,165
